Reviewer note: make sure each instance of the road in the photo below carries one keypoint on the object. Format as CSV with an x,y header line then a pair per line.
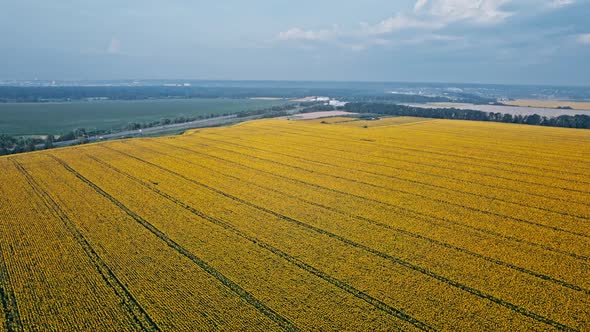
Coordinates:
x,y
221,120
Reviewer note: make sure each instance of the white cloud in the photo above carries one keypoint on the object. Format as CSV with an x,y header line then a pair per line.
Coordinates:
x,y
420,4
583,38
399,22
560,3
114,46
428,16
308,35
477,11
432,38
437,14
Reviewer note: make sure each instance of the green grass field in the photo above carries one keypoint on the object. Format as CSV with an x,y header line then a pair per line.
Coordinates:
x,y
58,118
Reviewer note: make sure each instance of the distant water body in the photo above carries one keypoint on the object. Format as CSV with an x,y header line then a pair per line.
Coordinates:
x,y
514,110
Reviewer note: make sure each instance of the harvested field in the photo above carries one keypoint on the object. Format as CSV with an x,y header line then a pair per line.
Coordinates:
x,y
316,115
514,110
549,103
371,123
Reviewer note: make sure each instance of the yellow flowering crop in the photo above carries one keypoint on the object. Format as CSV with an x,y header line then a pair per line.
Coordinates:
x,y
326,224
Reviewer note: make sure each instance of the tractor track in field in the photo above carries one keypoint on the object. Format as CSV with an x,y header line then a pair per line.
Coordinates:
x,y
454,155
234,287
470,290
382,225
397,148
388,157
12,320
293,260
138,314
422,216
305,160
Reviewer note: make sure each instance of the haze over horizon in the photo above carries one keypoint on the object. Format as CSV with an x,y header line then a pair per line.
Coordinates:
x,y
542,42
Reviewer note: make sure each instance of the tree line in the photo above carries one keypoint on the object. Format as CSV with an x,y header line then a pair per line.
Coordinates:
x,y
10,144
566,121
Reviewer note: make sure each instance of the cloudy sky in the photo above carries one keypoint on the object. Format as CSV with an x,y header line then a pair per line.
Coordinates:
x,y
486,41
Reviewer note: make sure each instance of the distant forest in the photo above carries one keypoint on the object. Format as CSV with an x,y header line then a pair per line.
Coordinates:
x,y
68,93
41,94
